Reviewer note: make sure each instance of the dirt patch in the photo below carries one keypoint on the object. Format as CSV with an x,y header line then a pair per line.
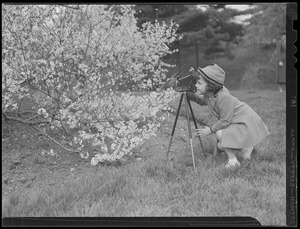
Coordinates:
x,y
31,160
26,160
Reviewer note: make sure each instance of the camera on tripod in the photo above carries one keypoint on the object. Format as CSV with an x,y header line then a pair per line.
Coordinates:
x,y
186,83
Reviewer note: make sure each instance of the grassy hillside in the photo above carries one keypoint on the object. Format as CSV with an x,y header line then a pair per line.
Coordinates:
x,y
145,186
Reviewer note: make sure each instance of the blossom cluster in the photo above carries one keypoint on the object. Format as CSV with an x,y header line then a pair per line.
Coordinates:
x,y
133,119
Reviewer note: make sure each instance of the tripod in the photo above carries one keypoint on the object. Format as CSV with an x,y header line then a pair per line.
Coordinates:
x,y
187,104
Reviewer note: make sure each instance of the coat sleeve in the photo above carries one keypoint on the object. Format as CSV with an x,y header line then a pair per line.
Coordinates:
x,y
197,99
226,107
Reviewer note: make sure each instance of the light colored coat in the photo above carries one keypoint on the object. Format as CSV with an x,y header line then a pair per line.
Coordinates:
x,y
241,126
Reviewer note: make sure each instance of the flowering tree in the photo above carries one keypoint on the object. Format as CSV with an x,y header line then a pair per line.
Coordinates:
x,y
69,62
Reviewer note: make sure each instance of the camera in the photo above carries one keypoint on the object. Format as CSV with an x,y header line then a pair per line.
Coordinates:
x,y
186,83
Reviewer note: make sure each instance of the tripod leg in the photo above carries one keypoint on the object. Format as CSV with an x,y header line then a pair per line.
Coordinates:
x,y
177,114
189,128
195,123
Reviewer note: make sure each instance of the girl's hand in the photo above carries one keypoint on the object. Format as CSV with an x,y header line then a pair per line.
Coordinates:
x,y
191,69
203,132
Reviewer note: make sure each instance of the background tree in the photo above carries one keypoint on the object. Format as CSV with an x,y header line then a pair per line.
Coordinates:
x,y
269,19
212,33
209,31
259,45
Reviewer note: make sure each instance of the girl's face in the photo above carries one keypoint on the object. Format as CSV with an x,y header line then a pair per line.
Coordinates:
x,y
201,86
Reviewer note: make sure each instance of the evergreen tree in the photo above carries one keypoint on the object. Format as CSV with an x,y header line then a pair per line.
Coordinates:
x,y
210,31
269,21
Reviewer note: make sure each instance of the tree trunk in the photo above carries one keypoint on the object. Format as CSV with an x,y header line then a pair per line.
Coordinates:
x,y
178,60
197,56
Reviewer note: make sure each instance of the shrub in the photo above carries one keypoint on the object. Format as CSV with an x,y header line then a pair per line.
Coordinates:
x,y
77,57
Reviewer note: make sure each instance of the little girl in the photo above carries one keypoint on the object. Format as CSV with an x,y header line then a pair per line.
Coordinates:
x,y
239,128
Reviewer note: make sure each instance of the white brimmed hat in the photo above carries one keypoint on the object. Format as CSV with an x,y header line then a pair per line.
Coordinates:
x,y
213,73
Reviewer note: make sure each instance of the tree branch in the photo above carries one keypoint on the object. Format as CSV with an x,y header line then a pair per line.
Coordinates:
x,y
7,117
31,124
56,142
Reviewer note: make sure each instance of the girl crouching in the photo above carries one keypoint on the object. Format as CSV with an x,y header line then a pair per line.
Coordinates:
x,y
239,128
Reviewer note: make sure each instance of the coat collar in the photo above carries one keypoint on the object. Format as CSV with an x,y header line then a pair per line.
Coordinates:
x,y
218,92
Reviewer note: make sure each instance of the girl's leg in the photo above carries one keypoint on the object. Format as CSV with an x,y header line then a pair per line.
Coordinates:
x,y
246,152
219,137
220,147
232,160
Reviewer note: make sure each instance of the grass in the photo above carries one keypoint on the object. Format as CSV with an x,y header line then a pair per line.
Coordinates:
x,y
150,188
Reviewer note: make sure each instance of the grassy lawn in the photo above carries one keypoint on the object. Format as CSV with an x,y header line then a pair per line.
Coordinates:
x,y
147,187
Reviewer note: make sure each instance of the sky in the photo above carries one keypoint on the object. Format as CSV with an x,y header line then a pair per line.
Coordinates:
x,y
238,7
241,18
237,19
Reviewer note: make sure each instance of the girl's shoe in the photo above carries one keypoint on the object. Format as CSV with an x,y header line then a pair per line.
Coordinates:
x,y
232,163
